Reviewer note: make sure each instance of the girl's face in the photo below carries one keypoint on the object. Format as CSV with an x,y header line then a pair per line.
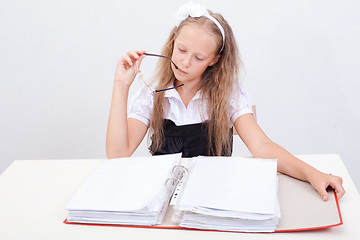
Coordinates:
x,y
194,50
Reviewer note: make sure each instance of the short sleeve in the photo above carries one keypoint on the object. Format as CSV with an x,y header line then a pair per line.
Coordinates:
x,y
141,105
240,103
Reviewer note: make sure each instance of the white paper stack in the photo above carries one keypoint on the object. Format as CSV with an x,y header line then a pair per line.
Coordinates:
x,y
128,191
230,194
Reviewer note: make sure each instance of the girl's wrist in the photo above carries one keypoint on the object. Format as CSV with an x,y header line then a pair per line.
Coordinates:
x,y
311,174
121,85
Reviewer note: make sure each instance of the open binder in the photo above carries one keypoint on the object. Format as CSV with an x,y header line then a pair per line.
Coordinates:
x,y
135,192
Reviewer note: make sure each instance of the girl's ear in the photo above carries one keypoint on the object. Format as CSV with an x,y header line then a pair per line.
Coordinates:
x,y
215,60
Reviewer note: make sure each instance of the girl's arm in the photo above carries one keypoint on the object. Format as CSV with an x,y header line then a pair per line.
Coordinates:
x,y
124,135
261,146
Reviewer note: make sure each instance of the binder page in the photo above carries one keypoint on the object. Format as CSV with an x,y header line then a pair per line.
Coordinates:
x,y
125,184
245,185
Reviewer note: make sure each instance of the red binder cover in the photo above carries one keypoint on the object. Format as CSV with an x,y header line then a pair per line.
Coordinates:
x,y
301,207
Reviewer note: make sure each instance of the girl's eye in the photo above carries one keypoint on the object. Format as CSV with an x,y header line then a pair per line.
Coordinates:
x,y
199,59
181,50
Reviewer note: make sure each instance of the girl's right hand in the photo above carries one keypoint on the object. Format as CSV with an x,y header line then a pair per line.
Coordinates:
x,y
128,66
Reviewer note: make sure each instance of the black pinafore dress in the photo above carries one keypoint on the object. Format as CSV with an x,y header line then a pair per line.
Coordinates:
x,y
191,140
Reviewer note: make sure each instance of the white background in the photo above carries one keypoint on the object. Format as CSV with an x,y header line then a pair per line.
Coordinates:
x,y
57,61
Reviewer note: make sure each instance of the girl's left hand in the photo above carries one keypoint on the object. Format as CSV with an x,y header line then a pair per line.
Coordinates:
x,y
321,181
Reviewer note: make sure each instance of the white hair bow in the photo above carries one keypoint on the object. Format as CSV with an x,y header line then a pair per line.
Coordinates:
x,y
197,10
190,9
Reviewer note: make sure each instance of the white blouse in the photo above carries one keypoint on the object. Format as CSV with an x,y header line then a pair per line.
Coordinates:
x,y
141,104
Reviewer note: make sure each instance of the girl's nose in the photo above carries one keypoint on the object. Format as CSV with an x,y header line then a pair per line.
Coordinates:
x,y
186,62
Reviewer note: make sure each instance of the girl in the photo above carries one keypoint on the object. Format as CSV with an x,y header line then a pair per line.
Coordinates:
x,y
197,116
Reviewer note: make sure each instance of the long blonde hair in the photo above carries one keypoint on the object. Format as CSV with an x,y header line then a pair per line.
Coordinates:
x,y
216,86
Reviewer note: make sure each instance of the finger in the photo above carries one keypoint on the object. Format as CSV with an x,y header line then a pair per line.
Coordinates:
x,y
321,189
138,63
336,184
133,55
132,62
126,61
140,52
136,57
341,180
323,193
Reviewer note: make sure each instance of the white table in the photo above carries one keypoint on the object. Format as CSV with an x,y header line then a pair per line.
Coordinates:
x,y
34,193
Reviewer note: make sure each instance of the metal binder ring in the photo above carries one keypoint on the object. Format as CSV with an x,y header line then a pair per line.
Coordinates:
x,y
181,166
173,178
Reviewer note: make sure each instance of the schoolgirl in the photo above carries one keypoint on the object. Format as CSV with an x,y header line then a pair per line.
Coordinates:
x,y
199,100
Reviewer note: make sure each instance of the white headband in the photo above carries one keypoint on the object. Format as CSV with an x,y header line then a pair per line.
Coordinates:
x,y
196,10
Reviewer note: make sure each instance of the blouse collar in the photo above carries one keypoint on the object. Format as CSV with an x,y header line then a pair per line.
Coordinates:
x,y
173,93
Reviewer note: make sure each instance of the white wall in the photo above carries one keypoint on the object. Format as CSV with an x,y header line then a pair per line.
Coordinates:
x,y
57,60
